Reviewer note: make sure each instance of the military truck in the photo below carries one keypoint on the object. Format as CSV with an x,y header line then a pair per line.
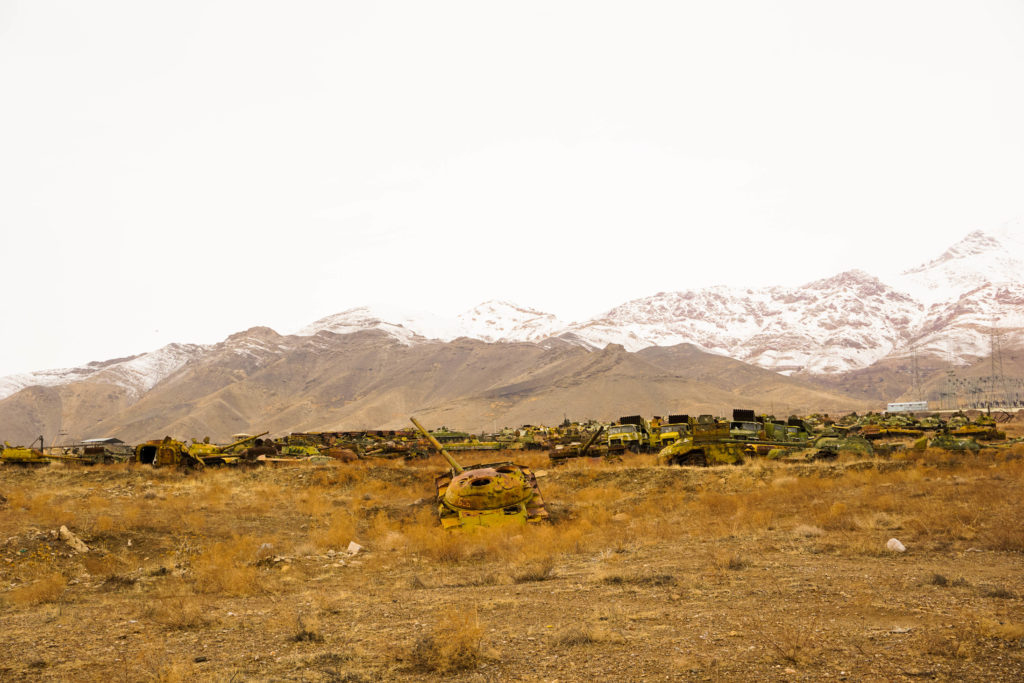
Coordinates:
x,y
630,433
673,428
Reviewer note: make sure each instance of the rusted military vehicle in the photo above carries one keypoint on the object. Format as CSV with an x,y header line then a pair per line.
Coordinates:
x,y
485,495
708,443
562,453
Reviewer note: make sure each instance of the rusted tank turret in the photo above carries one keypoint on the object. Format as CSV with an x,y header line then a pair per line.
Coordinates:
x,y
485,495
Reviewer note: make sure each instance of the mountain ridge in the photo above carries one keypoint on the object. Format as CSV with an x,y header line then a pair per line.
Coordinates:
x,y
829,327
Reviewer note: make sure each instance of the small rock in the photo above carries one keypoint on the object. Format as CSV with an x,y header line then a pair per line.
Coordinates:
x,y
200,660
354,548
74,542
895,546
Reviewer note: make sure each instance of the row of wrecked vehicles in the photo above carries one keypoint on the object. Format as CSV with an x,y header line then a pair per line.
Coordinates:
x,y
676,439
709,440
506,493
495,494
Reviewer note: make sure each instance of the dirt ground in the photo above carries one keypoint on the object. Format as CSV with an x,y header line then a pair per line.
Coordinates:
x,y
766,571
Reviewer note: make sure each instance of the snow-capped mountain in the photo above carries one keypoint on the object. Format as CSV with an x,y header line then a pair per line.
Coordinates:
x,y
964,327
402,326
501,321
490,321
946,307
995,256
847,321
136,374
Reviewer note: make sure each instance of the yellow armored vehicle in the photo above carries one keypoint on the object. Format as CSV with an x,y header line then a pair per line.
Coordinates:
x,y
709,443
561,453
983,428
19,455
232,453
166,452
485,495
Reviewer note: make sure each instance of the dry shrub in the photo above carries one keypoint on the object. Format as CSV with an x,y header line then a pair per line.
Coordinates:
x,y
340,531
227,568
729,561
957,643
1003,630
102,565
1005,532
17,499
601,495
47,588
382,526
373,491
837,517
438,545
634,577
129,518
587,634
176,606
535,570
808,531
454,644
718,504
104,523
308,629
791,642
314,502
45,510
509,542
174,673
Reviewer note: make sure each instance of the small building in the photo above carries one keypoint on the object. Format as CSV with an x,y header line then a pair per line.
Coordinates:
x,y
907,407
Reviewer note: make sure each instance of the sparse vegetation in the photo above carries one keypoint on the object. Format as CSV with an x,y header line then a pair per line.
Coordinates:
x,y
726,572
452,644
47,588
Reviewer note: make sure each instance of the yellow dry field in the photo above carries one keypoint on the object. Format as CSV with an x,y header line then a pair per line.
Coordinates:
x,y
767,571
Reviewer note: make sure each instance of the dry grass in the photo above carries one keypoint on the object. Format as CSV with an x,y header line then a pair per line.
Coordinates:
x,y
792,643
587,634
229,568
537,570
308,629
183,611
253,563
452,645
47,588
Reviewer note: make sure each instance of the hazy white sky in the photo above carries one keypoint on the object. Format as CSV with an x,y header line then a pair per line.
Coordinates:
x,y
179,171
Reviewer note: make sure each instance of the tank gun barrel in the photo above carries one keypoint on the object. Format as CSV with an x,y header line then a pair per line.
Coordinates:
x,y
592,439
437,446
241,441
